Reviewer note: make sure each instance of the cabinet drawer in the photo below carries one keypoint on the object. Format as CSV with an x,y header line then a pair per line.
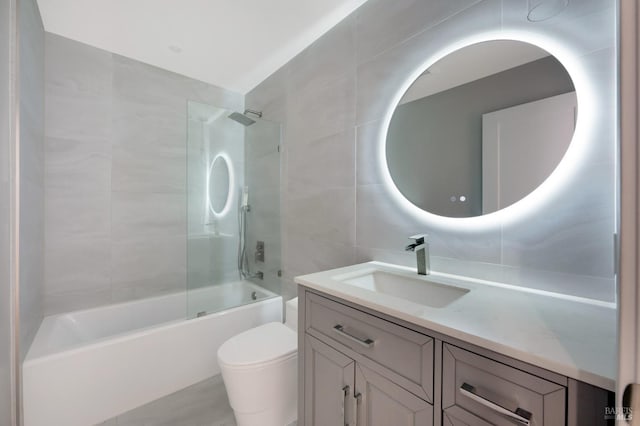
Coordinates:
x,y
403,355
473,384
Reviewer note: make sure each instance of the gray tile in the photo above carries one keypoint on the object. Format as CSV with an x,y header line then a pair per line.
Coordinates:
x,y
31,132
146,122
78,90
269,95
148,266
78,167
73,67
212,95
136,216
149,129
380,79
380,24
76,117
140,83
203,404
77,267
289,289
73,300
568,27
31,290
141,169
322,214
563,241
263,173
396,257
211,260
329,58
308,255
32,142
319,110
77,215
367,153
262,139
380,223
327,162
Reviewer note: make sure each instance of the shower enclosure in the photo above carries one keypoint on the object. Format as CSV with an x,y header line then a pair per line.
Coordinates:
x,y
233,207
227,157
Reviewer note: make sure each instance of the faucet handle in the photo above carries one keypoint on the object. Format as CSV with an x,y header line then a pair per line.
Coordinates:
x,y
419,238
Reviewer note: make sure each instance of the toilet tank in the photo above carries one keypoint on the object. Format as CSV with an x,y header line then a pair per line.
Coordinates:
x,y
291,314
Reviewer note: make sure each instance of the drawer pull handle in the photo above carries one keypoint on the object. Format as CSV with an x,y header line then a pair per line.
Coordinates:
x,y
367,343
345,397
519,415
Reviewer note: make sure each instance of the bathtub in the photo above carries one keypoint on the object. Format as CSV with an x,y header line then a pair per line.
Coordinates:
x,y
87,366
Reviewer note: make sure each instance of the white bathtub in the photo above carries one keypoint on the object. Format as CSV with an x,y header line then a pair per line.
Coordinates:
x,y
87,366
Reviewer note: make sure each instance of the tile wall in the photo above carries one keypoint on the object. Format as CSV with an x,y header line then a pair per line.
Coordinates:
x,y
332,97
116,132
6,309
31,80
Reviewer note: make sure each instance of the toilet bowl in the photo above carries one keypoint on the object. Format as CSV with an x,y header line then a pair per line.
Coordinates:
x,y
259,369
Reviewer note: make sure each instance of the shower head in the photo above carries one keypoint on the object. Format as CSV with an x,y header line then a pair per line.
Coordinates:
x,y
241,118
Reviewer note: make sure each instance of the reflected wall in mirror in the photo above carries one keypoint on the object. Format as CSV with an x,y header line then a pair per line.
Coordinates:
x,y
481,128
219,184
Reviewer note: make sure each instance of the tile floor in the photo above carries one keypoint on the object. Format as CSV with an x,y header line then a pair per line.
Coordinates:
x,y
203,404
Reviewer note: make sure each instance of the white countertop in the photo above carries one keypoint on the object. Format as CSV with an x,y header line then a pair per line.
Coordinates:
x,y
570,336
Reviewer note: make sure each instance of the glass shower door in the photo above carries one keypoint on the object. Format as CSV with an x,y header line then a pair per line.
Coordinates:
x,y
227,179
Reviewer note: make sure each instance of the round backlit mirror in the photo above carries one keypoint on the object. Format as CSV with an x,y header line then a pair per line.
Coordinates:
x,y
219,185
481,128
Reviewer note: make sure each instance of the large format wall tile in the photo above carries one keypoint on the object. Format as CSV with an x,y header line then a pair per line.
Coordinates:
x,y
138,215
78,90
7,306
31,47
327,59
565,246
77,215
78,166
116,170
381,25
310,162
77,274
313,255
320,109
324,214
380,79
148,266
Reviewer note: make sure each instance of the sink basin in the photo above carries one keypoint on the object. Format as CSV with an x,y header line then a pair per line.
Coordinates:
x,y
414,289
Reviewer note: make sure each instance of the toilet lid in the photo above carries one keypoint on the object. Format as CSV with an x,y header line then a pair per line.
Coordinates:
x,y
263,344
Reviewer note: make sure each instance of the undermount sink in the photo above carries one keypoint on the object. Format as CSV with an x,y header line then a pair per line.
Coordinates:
x,y
414,289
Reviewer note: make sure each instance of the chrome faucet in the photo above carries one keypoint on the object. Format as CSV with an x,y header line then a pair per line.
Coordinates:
x,y
421,248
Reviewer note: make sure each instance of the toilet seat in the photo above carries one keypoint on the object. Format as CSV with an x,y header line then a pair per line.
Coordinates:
x,y
259,347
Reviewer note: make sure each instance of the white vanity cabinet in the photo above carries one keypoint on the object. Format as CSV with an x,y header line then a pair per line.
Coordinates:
x,y
360,367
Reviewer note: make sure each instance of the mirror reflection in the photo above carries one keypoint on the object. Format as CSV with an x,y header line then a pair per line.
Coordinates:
x,y
219,190
481,128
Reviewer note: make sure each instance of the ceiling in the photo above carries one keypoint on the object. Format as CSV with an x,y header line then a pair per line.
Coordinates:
x,y
234,44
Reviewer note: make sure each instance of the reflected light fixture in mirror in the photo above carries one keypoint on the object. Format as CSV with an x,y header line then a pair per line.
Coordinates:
x,y
554,186
219,185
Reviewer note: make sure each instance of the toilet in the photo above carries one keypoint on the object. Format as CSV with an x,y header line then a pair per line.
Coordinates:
x,y
260,371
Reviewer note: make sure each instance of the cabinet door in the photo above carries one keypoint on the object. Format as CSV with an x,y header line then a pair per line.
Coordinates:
x,y
380,402
328,385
